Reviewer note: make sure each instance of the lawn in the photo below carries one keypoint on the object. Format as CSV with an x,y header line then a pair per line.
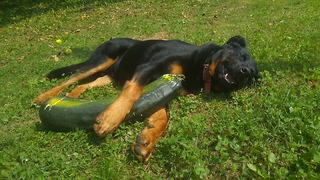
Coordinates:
x,y
269,131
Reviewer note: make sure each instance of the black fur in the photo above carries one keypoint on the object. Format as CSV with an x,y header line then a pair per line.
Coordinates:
x,y
148,60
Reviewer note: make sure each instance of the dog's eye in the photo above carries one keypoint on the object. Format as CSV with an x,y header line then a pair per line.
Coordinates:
x,y
242,56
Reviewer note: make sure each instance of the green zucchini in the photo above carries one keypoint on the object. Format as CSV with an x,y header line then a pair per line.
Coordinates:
x,y
62,113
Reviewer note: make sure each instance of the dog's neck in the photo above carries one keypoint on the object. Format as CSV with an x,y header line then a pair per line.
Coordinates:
x,y
203,59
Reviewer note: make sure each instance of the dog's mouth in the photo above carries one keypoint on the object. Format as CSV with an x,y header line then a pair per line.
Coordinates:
x,y
225,75
229,79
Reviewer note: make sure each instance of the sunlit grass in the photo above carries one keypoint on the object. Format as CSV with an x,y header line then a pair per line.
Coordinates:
x,y
267,131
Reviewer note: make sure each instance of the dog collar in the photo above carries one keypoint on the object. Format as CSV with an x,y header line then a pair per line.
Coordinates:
x,y
206,79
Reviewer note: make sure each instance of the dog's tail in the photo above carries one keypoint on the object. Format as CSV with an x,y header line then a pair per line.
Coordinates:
x,y
65,71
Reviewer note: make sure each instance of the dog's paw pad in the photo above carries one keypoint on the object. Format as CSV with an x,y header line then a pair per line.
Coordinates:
x,y
142,149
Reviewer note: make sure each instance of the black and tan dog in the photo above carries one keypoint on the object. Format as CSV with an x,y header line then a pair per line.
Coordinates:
x,y
136,63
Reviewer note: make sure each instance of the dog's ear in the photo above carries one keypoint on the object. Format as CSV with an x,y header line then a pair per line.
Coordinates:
x,y
238,40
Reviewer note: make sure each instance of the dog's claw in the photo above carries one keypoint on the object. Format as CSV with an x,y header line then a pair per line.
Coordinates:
x,y
136,150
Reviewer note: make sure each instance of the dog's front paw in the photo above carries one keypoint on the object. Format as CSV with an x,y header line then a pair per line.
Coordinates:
x,y
142,148
105,125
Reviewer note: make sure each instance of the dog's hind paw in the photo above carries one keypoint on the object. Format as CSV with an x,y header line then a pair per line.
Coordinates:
x,y
39,100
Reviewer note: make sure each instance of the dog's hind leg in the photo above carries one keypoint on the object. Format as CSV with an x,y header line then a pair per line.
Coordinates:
x,y
101,81
77,77
65,71
144,142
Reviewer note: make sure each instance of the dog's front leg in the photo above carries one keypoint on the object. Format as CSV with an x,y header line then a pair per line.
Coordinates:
x,y
144,143
109,120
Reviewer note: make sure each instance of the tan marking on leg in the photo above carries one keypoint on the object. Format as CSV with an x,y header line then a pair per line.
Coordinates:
x,y
109,120
145,141
101,81
175,68
79,76
213,66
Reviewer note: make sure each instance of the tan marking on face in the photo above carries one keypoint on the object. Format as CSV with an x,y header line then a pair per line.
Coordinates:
x,y
213,66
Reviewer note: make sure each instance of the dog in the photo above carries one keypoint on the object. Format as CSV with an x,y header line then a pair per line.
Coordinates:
x,y
135,63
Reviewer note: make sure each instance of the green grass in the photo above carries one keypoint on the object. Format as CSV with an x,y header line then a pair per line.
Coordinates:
x,y
271,131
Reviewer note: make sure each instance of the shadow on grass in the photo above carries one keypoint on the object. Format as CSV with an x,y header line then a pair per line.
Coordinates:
x,y
92,138
82,53
288,65
13,11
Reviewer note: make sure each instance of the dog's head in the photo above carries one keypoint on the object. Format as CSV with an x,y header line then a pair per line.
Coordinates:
x,y
232,67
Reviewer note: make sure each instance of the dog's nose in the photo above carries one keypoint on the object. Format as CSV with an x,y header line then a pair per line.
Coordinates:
x,y
245,70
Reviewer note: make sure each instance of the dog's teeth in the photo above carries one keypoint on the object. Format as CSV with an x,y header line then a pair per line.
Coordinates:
x,y
226,77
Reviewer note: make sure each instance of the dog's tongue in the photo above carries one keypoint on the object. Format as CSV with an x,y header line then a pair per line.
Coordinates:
x,y
229,78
